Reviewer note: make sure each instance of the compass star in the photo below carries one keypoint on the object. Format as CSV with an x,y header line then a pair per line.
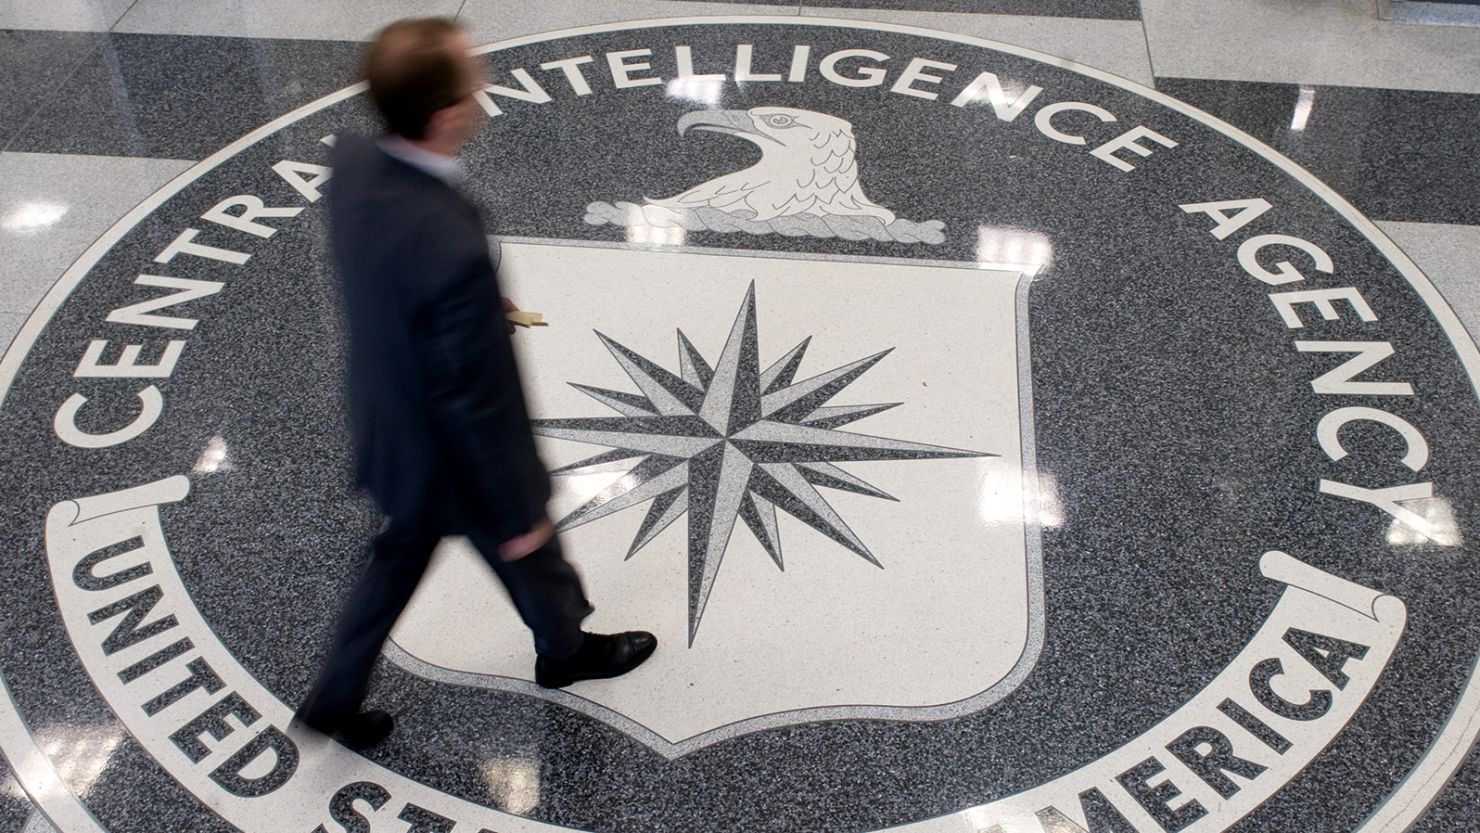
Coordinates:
x,y
727,442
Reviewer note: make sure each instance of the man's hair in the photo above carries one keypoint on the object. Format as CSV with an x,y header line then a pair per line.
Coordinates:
x,y
413,73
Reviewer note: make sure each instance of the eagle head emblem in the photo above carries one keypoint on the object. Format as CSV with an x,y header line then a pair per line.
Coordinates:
x,y
807,166
806,183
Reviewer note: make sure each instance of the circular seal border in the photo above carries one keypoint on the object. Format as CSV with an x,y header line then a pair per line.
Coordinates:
x,y
1398,812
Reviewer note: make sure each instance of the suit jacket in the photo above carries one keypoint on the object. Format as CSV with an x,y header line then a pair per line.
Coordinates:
x,y
436,404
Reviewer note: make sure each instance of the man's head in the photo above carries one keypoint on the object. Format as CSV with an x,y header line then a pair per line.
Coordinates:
x,y
422,81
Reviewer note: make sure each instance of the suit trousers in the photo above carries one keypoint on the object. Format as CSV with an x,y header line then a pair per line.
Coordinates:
x,y
544,587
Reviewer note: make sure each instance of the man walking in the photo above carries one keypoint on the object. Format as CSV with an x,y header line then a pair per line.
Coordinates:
x,y
440,427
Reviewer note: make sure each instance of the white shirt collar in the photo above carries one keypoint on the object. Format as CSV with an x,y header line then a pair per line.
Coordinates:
x,y
445,168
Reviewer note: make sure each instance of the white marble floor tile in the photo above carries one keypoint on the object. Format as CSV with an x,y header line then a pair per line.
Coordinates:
x,y
1115,46
492,20
65,15
317,19
1450,256
52,208
1308,42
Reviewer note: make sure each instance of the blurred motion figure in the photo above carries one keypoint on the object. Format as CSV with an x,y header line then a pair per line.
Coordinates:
x,y
441,431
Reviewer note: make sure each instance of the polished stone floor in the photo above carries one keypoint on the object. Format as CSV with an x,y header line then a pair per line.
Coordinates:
x,y
1012,416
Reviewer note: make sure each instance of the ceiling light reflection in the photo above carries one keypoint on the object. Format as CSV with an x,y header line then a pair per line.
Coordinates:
x,y
597,481
697,89
80,753
656,235
1011,90
514,782
1440,527
214,458
31,217
1029,252
1007,819
1303,105
1002,499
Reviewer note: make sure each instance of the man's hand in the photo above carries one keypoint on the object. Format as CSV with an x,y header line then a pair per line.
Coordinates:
x,y
516,548
508,308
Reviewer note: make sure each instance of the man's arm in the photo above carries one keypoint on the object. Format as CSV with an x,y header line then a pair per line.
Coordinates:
x,y
475,384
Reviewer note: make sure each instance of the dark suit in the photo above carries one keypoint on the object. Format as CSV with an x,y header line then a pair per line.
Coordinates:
x,y
441,431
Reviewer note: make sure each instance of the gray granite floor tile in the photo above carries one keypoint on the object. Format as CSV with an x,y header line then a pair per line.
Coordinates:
x,y
33,66
792,3
1106,9
166,96
1170,408
1397,154
1318,42
15,805
1141,329
52,208
492,20
65,15
319,20
1432,12
1450,256
1116,46
10,324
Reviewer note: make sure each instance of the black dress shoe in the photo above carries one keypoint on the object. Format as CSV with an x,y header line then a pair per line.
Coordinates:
x,y
600,657
358,731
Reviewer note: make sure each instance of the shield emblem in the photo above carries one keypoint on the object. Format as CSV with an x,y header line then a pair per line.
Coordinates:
x,y
782,467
